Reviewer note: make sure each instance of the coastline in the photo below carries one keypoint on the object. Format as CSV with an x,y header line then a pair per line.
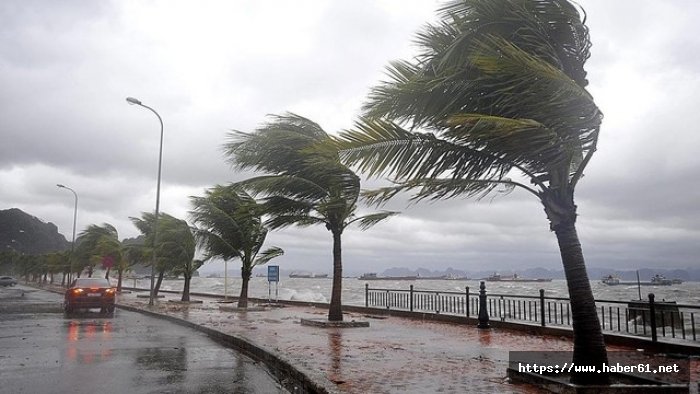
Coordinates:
x,y
394,355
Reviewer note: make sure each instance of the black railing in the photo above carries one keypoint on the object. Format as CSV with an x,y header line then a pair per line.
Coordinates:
x,y
649,318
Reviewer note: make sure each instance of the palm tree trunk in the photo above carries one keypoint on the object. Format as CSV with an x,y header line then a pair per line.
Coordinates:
x,y
158,283
120,273
589,344
186,287
243,297
335,312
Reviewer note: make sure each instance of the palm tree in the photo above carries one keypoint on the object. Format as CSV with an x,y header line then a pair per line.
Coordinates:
x,y
177,245
58,262
496,100
99,244
303,185
166,224
230,226
130,255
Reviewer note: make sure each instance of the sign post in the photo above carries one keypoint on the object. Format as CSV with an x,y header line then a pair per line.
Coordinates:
x,y
273,275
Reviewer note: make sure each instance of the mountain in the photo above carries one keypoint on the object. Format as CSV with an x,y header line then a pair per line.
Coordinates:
x,y
594,273
24,233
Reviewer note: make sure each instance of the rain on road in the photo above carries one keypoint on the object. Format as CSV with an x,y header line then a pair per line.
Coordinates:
x,y
44,352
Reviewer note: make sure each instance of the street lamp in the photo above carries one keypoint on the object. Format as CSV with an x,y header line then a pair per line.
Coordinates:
x,y
133,101
75,217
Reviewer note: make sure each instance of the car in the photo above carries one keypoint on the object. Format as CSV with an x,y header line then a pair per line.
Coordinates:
x,y
7,281
87,293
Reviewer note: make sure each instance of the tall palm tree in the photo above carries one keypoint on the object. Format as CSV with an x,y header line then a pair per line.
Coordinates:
x,y
304,185
229,225
496,100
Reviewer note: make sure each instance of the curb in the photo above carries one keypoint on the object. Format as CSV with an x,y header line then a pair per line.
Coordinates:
x,y
293,378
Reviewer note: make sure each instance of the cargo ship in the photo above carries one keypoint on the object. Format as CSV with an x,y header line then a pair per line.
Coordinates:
x,y
373,276
515,278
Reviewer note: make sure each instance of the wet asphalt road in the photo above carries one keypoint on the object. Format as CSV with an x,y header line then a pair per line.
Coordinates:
x,y
41,351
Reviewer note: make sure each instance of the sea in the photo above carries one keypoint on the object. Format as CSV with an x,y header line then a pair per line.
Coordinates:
x,y
319,289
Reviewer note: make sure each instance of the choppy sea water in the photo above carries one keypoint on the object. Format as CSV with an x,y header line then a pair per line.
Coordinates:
x,y
319,290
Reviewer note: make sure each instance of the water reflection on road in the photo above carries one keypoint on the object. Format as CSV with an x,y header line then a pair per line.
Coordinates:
x,y
89,332
129,353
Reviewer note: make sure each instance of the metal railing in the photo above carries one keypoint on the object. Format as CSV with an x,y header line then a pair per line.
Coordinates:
x,y
648,318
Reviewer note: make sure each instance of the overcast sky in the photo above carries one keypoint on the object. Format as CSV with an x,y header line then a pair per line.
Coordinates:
x,y
211,66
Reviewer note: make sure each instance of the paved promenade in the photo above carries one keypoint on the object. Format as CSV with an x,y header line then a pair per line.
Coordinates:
x,y
393,355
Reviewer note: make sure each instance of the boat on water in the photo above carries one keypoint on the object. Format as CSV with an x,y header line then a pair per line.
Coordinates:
x,y
515,278
306,275
373,276
657,280
610,280
443,277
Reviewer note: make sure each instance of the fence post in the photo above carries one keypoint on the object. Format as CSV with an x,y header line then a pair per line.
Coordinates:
x,y
410,301
652,317
483,313
467,294
542,307
366,295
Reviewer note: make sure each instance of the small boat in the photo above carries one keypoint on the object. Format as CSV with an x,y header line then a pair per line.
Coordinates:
x,y
373,276
515,278
660,280
610,280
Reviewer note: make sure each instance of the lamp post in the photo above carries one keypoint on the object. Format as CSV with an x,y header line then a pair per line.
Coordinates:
x,y
72,243
133,101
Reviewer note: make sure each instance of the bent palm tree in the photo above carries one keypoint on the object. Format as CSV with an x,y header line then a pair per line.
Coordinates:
x,y
230,226
499,89
304,186
166,223
99,244
177,245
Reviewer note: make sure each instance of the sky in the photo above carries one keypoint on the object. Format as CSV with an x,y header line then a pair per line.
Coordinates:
x,y
209,67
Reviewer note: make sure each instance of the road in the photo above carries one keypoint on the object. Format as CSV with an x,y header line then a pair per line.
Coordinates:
x,y
44,352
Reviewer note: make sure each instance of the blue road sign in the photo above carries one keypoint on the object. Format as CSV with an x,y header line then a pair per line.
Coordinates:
x,y
273,273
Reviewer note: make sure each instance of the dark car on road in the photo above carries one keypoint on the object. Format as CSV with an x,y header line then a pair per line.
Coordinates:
x,y
7,281
87,293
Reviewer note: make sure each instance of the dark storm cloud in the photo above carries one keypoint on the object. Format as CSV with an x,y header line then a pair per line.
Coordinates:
x,y
209,67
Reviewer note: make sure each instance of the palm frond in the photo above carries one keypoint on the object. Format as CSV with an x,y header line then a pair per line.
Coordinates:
x,y
439,189
380,147
268,254
367,221
285,220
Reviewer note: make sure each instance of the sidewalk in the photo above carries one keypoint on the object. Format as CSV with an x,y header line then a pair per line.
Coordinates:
x,y
393,355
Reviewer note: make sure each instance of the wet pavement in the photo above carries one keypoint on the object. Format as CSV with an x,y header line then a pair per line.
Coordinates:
x,y
393,355
44,352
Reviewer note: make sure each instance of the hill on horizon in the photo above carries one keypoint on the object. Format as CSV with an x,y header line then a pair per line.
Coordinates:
x,y
27,234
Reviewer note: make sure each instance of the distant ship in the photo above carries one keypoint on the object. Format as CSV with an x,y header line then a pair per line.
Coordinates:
x,y
373,276
307,275
443,277
515,278
657,280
